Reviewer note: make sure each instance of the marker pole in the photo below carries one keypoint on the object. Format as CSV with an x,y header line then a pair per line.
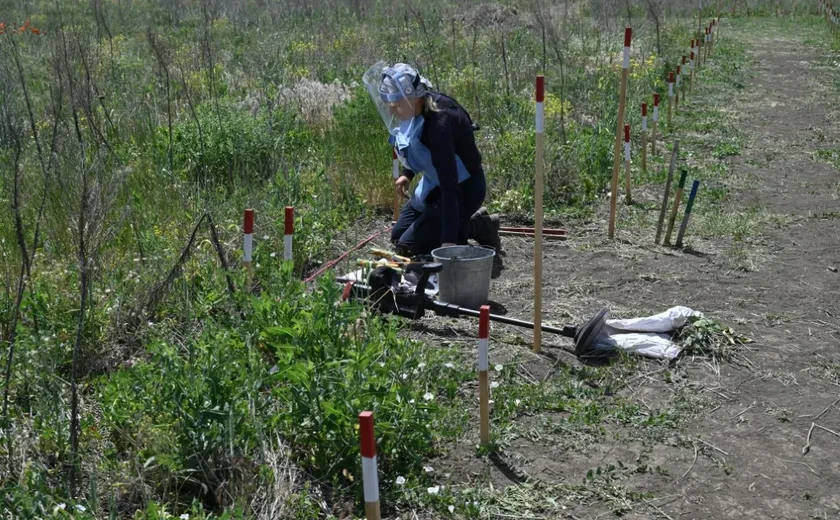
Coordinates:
x,y
396,175
677,88
685,72
655,122
370,474
627,198
677,199
622,101
483,374
289,224
674,154
691,196
670,99
644,137
691,67
248,242
538,214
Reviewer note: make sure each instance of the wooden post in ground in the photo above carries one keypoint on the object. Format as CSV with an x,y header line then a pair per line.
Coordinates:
x,y
684,72
627,197
670,99
691,68
370,475
289,232
395,172
644,137
248,243
483,375
538,215
662,212
622,101
655,123
677,89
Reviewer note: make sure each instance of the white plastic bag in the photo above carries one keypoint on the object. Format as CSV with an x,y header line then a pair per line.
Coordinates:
x,y
648,336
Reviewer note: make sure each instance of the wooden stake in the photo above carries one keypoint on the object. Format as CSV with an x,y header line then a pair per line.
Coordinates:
x,y
689,205
677,199
483,375
538,215
670,99
677,89
685,71
396,174
248,244
370,473
655,122
622,101
674,154
691,67
644,137
627,198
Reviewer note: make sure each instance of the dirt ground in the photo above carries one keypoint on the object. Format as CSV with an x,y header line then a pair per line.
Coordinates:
x,y
743,457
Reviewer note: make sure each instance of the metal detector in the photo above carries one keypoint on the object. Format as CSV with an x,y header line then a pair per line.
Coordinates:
x,y
388,298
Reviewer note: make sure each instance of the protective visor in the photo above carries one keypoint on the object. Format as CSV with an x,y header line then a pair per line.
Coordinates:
x,y
394,91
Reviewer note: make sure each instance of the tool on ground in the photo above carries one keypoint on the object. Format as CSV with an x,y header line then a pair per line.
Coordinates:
x,y
689,205
384,294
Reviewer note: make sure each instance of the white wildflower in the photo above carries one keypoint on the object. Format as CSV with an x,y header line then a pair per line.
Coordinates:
x,y
498,368
428,396
433,490
449,365
421,366
494,384
400,481
272,255
265,237
428,469
451,509
185,516
81,508
517,402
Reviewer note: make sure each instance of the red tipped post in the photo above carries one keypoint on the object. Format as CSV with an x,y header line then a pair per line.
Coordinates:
x,y
644,137
483,374
370,474
396,174
289,224
655,124
670,99
677,88
248,232
622,102
538,211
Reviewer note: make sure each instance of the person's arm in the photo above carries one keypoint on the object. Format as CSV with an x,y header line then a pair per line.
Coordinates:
x,y
442,146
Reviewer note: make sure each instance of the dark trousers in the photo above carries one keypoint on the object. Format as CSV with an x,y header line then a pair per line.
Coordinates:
x,y
418,232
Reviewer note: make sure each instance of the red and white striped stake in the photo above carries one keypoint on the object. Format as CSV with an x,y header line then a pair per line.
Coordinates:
x,y
538,213
370,475
670,98
627,198
655,123
677,88
396,175
289,224
483,374
707,47
685,72
622,101
691,68
248,242
644,137
698,45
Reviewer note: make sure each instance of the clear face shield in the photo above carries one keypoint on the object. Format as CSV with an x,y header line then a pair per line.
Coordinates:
x,y
395,91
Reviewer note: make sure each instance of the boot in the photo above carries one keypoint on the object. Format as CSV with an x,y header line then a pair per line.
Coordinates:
x,y
485,229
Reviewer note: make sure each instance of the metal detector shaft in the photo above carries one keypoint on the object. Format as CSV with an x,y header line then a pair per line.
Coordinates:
x,y
452,310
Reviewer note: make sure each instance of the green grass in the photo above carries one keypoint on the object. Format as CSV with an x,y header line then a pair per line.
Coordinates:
x,y
219,405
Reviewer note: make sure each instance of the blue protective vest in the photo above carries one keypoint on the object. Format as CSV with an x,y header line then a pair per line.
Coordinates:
x,y
418,158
